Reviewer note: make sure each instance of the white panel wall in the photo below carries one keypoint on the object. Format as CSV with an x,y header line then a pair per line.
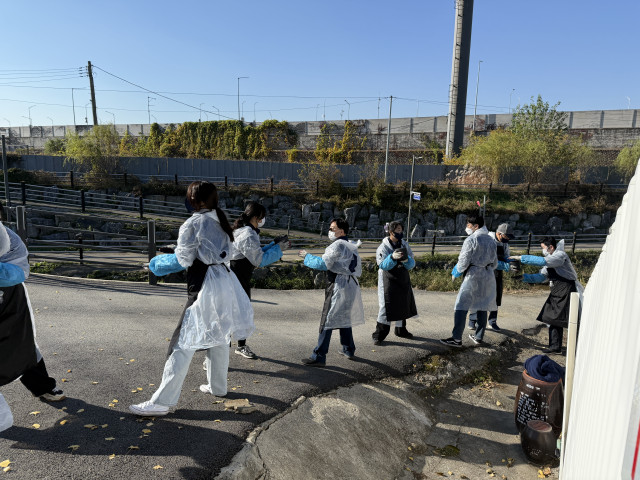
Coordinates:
x,y
605,407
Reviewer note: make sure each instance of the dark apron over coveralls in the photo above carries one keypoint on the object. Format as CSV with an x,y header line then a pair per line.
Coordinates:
x,y
399,302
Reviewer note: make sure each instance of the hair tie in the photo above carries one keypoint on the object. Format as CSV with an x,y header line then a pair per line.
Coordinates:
x,y
386,227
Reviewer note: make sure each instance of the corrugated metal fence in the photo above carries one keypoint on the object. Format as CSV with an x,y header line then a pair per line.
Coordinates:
x,y
603,436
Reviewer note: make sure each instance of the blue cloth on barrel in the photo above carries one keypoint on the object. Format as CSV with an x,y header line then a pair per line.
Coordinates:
x,y
543,368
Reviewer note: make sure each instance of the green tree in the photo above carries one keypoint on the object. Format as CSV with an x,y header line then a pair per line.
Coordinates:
x,y
538,119
96,152
627,160
537,142
55,146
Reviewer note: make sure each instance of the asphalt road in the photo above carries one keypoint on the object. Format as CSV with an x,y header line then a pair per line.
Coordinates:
x,y
108,341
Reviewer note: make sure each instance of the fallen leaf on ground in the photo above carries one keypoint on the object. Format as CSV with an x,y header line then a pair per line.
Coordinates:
x,y
91,426
6,469
133,447
218,420
139,389
157,467
498,403
105,425
547,471
63,380
112,456
34,413
108,439
36,425
146,430
74,447
132,360
5,463
94,383
62,422
81,410
68,371
152,384
114,401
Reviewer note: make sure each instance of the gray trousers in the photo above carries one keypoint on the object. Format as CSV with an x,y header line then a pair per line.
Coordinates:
x,y
177,366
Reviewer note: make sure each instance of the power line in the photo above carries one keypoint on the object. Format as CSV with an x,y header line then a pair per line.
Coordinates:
x,y
158,93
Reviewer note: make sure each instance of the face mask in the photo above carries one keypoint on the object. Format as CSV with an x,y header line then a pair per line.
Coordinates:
x,y
468,231
545,252
332,236
398,236
261,223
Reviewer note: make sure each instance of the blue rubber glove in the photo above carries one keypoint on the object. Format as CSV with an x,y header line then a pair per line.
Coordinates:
x,y
503,266
409,263
10,275
388,263
533,260
162,265
534,278
270,255
455,273
317,263
267,247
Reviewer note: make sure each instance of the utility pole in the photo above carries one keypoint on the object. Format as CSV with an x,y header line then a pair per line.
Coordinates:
x,y
459,76
475,106
93,95
73,103
5,168
386,156
239,78
148,108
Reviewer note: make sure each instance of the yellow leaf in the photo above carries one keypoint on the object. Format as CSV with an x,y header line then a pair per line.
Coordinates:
x,y
5,463
547,471
157,467
152,384
498,403
409,448
139,389
180,427
94,383
449,472
133,447
74,447
134,391
146,430
256,381
114,401
63,379
68,371
6,469
481,451
62,422
132,360
112,404
411,458
112,456
34,413
36,425
108,439
63,408
105,425
218,420
149,424
373,350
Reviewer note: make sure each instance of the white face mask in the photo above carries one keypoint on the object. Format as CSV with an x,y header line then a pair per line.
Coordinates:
x,y
469,231
261,223
332,236
545,252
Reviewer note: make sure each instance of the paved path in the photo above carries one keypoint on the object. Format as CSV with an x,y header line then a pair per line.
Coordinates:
x,y
108,339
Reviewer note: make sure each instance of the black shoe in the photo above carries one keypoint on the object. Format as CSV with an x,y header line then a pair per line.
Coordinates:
x,y
452,342
552,350
475,339
349,355
54,395
402,332
377,342
494,326
314,362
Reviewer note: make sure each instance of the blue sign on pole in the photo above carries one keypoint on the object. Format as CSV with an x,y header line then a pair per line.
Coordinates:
x,y
416,195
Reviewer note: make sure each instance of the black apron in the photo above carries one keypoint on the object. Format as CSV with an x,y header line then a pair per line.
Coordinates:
x,y
17,343
328,293
498,274
399,302
555,310
243,269
196,274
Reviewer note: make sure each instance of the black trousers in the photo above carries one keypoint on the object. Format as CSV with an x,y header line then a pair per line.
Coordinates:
x,y
383,330
555,337
37,379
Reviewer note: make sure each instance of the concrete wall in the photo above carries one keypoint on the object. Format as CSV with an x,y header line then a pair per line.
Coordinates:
x,y
607,129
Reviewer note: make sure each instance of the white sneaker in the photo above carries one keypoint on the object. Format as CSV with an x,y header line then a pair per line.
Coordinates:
x,y
149,409
54,395
204,365
246,352
207,389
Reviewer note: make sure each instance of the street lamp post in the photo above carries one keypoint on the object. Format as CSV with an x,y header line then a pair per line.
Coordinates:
x,y
73,104
217,110
86,115
512,90
53,131
475,108
242,110
348,111
149,108
200,119
254,111
239,96
114,118
30,114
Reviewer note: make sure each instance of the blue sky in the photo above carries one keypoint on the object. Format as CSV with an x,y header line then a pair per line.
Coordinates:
x,y
309,59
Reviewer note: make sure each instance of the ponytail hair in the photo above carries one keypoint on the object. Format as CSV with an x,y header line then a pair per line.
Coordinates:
x,y
253,209
206,193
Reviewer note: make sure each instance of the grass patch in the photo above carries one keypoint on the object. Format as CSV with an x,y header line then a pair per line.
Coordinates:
x,y
487,376
131,276
44,267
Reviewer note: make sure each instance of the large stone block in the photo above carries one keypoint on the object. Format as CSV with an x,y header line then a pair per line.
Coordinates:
x,y
328,206
447,224
313,220
374,221
316,207
50,222
385,216
56,236
112,227
326,215
514,217
267,202
363,213
306,210
461,224
596,220
555,222
350,214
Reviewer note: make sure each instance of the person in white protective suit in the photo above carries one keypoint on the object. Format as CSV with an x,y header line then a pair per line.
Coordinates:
x,y
502,236
217,306
342,307
558,270
477,261
20,356
247,254
395,294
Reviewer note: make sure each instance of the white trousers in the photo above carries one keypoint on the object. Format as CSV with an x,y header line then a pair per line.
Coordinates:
x,y
177,366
